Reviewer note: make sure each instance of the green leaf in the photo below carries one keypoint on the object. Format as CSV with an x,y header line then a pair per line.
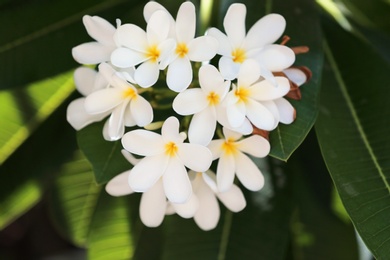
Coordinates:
x,y
353,129
317,232
304,30
88,216
39,46
106,157
27,172
23,110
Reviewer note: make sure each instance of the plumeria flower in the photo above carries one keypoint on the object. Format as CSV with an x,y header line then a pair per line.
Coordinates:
x,y
153,205
87,81
188,48
123,102
166,156
238,46
203,103
232,160
252,98
205,189
100,50
150,49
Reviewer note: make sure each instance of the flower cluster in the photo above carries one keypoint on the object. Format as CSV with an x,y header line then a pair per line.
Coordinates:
x,y
220,109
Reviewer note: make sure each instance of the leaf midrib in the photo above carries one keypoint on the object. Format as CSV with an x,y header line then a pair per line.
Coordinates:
x,y
351,107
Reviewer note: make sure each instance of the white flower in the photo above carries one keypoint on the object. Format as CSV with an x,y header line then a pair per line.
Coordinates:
x,y
232,160
150,49
166,156
238,46
203,103
252,98
123,102
205,189
188,48
87,81
99,51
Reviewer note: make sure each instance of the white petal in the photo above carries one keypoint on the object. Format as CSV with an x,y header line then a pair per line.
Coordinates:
x,y
106,72
233,199
260,116
146,74
177,185
254,145
132,37
208,213
158,27
84,79
264,90
129,119
99,29
215,148
202,127
236,114
78,118
189,102
286,111
167,49
210,179
147,172
130,158
187,209
265,31
194,156
202,48
245,129
228,68
185,22
142,142
234,24
225,172
179,75
248,173
224,46
153,206
125,58
231,135
92,53
116,125
151,7
271,106
210,79
276,57
249,73
296,75
170,130
119,185
103,100
141,111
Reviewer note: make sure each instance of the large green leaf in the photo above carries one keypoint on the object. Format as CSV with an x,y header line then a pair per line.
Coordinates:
x,y
23,110
353,129
88,216
27,172
43,34
318,233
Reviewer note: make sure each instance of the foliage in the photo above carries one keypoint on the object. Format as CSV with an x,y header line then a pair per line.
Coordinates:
x,y
292,217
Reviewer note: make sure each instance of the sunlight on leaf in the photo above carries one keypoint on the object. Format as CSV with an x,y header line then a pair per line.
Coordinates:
x,y
24,109
19,201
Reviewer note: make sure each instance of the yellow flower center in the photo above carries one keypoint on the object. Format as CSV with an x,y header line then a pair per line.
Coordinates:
x,y
181,49
229,147
129,93
239,55
213,98
171,149
153,53
242,94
